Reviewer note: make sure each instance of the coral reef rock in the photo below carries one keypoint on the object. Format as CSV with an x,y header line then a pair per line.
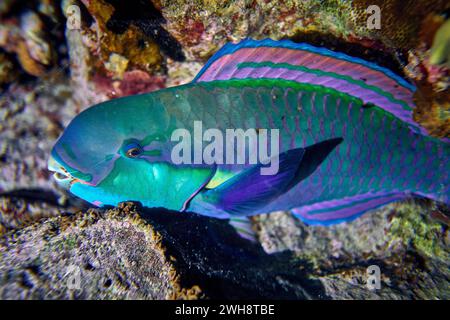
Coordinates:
x,y
408,241
141,254
137,253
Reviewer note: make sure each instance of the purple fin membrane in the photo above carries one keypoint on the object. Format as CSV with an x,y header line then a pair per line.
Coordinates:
x,y
346,209
250,190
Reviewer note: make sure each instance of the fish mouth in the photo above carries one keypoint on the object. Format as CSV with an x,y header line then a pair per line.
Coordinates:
x,y
62,175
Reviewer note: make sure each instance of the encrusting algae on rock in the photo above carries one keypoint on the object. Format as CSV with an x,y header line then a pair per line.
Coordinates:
x,y
433,110
97,246
408,244
132,44
116,59
132,253
440,51
428,236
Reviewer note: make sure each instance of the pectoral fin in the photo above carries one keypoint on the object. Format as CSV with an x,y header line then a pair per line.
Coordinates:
x,y
248,191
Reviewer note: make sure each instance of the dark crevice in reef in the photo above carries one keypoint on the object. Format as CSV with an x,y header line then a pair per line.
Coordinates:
x,y
44,196
226,265
86,18
32,195
19,6
21,77
146,17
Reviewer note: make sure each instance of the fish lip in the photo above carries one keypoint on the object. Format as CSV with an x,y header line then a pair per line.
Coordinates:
x,y
68,180
54,167
71,180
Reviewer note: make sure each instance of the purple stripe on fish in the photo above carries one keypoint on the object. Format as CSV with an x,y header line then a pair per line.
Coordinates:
x,y
367,95
330,212
308,59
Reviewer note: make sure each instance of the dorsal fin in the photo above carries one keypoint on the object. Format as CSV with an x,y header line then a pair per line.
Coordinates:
x,y
304,63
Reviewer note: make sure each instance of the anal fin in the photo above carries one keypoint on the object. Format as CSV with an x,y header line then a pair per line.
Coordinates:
x,y
346,209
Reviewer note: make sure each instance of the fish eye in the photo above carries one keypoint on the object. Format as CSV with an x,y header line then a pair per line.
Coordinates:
x,y
133,150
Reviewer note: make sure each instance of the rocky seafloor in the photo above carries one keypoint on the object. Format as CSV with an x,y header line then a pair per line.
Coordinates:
x,y
53,246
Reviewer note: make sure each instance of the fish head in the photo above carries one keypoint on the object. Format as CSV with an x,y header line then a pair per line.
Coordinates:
x,y
118,151
84,153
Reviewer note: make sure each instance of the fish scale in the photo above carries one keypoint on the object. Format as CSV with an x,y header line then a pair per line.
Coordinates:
x,y
354,161
360,143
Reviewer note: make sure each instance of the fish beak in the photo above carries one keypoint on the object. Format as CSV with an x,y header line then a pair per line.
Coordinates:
x,y
52,165
62,177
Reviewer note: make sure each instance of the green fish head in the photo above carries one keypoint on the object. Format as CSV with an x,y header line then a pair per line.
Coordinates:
x,y
119,151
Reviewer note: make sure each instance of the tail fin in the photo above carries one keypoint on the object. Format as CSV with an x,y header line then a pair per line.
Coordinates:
x,y
311,65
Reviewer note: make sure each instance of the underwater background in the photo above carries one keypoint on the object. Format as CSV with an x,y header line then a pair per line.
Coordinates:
x,y
59,57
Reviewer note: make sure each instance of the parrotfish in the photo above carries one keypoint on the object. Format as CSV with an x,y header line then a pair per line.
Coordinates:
x,y
347,141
